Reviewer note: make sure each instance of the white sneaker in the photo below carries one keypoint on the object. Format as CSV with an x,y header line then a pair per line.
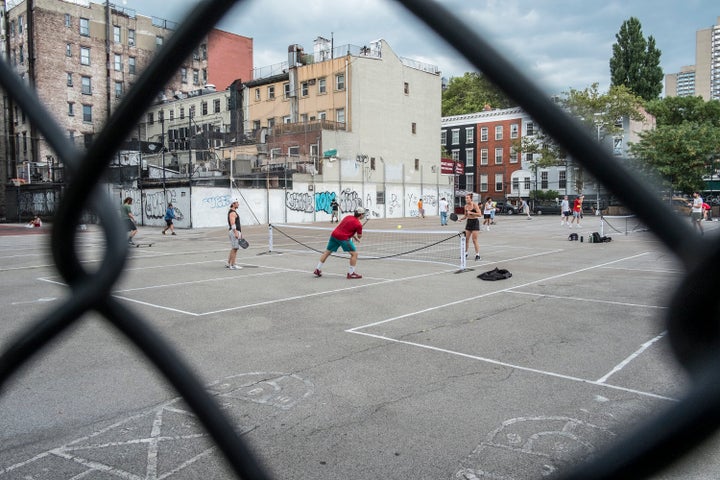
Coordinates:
x,y
235,267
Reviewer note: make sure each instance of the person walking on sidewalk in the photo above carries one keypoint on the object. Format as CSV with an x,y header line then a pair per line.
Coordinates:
x,y
348,229
169,217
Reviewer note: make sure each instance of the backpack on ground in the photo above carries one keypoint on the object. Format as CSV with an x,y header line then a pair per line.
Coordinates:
x,y
573,237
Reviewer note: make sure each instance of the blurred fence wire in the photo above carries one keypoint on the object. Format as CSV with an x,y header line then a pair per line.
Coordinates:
x,y
693,329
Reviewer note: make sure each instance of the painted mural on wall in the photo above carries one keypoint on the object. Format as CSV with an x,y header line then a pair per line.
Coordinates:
x,y
304,202
37,203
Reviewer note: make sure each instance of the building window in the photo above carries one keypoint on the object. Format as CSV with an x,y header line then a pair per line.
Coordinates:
x,y
117,62
69,80
469,157
118,89
562,179
286,91
544,180
216,105
150,118
483,183
256,125
322,115
470,135
413,128
182,113
271,92
529,157
84,56
514,130
20,24
530,128
86,85
116,34
484,134
84,27
131,65
204,76
516,185
340,115
87,113
406,88
514,155
71,109
498,132
498,182
455,136
68,20
483,156
340,81
417,164
304,89
498,156
322,87
443,137
204,107
183,74
455,155
158,42
68,50
131,37
526,183
21,54
196,77
294,151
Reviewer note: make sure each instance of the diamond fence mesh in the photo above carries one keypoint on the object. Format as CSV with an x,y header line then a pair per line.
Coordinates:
x,y
692,326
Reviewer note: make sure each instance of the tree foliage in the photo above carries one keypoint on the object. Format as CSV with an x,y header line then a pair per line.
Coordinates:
x,y
677,110
685,146
471,93
598,112
635,62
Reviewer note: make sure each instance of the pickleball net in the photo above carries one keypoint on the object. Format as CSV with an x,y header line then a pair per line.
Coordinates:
x,y
442,247
621,224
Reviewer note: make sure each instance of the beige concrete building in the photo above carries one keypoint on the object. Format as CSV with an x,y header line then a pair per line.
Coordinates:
x,y
703,78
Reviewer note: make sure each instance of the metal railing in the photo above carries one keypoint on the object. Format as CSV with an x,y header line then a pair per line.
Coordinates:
x,y
693,329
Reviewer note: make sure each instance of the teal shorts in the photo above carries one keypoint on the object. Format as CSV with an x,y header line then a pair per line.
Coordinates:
x,y
334,244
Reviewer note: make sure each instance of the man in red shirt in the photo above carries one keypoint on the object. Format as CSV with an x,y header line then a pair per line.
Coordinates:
x,y
577,211
348,229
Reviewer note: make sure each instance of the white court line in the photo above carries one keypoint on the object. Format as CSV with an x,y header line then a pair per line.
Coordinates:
x,y
497,362
517,367
591,300
632,357
476,297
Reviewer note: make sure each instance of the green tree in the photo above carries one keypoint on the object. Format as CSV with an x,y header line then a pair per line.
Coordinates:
x,y
677,110
471,93
598,112
635,62
685,146
681,154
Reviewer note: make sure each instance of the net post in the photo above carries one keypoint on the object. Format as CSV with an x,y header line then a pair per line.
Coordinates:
x,y
602,226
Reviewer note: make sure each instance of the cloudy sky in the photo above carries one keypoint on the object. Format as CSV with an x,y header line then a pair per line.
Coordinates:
x,y
561,44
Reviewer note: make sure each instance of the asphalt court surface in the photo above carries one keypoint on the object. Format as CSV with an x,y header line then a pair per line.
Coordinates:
x,y
417,370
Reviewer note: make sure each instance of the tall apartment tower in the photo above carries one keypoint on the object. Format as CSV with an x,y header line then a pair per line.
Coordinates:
x,y
703,78
82,57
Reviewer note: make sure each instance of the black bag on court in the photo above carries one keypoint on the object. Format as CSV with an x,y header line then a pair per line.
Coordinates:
x,y
496,274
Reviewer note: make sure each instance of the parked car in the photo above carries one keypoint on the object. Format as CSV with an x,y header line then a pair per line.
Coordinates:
x,y
507,208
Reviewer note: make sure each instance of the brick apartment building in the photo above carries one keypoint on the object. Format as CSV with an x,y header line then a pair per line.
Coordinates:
x,y
82,57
